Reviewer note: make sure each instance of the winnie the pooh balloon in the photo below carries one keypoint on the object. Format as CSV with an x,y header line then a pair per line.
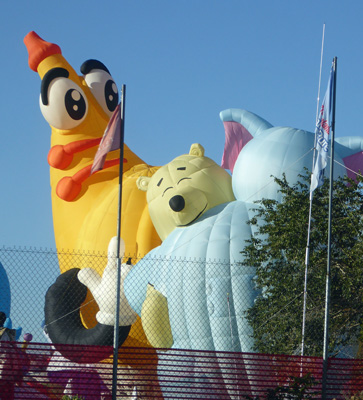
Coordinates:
x,y
181,191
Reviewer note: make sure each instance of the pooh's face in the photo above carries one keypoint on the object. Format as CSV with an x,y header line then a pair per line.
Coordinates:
x,y
181,191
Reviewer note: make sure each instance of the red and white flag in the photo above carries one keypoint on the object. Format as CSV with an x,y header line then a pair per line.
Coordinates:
x,y
322,132
110,141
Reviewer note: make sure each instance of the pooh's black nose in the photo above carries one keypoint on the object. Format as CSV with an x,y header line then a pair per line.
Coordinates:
x,y
177,203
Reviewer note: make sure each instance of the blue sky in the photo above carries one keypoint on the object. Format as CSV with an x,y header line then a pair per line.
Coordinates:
x,y
182,63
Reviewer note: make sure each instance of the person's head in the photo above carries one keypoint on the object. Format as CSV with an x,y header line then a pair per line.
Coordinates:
x,y
2,318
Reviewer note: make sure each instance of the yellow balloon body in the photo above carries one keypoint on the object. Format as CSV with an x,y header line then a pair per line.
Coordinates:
x,y
87,222
85,205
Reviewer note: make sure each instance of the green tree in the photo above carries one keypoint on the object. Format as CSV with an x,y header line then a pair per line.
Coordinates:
x,y
298,388
277,251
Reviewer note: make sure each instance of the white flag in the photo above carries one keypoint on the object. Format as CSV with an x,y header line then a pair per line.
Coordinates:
x,y
322,132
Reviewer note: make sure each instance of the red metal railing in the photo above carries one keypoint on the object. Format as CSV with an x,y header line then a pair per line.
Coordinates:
x,y
39,371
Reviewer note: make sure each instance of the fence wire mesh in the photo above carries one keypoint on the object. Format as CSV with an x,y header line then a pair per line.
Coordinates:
x,y
207,303
175,302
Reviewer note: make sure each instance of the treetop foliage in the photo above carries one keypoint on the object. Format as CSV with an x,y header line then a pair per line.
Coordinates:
x,y
278,250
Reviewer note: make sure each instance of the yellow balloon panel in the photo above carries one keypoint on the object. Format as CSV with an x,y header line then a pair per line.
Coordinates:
x,y
84,204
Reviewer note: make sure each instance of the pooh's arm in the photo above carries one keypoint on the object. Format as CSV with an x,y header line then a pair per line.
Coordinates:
x,y
155,319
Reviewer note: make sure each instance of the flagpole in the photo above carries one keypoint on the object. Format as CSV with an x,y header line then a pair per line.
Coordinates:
x,y
307,250
327,287
118,281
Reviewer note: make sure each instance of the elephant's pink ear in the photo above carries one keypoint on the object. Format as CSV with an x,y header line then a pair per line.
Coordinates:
x,y
237,136
354,163
240,127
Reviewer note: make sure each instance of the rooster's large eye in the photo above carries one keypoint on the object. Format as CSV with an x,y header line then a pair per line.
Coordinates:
x,y
104,89
66,104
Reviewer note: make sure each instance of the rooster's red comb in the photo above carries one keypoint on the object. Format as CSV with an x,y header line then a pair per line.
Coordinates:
x,y
39,49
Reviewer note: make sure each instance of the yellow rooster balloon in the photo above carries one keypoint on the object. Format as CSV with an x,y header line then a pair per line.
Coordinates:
x,y
85,205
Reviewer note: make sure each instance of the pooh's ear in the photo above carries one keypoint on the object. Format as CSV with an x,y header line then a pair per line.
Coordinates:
x,y
196,149
142,182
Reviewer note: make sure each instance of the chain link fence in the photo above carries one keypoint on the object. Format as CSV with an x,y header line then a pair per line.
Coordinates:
x,y
191,304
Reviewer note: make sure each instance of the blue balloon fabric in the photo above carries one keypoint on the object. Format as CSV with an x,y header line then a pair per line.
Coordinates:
x,y
274,151
207,290
5,298
197,267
